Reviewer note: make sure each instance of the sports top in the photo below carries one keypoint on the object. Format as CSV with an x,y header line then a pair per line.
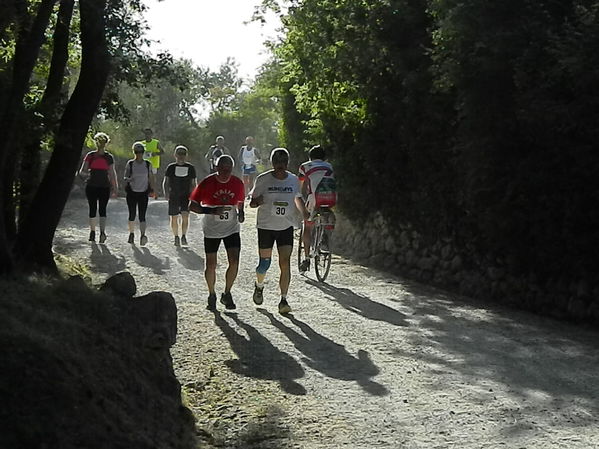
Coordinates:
x,y
278,212
180,177
210,192
98,165
151,149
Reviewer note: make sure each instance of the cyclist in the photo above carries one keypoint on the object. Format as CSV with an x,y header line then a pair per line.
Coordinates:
x,y
98,170
248,157
139,183
179,181
215,151
220,197
277,196
318,187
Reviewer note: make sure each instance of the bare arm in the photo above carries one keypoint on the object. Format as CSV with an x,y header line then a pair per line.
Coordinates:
x,y
113,182
159,148
299,203
166,187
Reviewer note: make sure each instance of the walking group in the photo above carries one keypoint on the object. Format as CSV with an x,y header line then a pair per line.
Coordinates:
x,y
283,201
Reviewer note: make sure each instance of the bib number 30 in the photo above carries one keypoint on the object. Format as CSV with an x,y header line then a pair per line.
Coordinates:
x,y
280,209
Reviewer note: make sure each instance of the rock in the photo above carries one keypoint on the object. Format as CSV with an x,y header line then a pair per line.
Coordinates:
x,y
583,289
411,258
495,274
456,263
404,239
156,317
446,252
427,263
577,308
121,284
390,246
75,285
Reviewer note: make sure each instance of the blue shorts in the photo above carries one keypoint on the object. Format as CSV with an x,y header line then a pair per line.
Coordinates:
x,y
249,170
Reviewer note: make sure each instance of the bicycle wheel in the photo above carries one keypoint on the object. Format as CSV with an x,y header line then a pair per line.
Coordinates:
x,y
301,256
322,259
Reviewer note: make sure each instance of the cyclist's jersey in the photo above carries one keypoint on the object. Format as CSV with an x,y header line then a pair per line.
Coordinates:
x,y
151,149
322,189
99,165
211,192
278,212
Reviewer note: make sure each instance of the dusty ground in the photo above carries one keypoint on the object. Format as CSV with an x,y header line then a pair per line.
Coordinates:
x,y
364,361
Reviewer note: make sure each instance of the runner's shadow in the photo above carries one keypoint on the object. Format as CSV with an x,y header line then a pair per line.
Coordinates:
x,y
190,259
145,258
362,305
258,357
328,357
103,260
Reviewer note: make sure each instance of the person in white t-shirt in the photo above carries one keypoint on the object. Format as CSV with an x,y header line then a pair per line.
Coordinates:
x,y
277,196
248,157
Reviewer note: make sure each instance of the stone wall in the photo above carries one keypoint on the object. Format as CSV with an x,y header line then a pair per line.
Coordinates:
x,y
400,249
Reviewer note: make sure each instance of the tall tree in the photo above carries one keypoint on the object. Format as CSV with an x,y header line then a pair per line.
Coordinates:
x,y
35,236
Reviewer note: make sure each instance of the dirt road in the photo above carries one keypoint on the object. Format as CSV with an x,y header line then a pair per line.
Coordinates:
x,y
364,361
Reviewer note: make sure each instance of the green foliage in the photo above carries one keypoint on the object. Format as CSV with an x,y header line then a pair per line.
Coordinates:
x,y
471,119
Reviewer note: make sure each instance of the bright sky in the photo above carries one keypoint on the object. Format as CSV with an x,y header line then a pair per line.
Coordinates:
x,y
208,31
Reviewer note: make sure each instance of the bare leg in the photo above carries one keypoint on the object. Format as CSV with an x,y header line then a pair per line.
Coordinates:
x,y
175,225
285,267
264,254
210,272
184,222
231,274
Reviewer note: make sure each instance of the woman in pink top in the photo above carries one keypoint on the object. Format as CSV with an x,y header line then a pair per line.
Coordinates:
x,y
98,171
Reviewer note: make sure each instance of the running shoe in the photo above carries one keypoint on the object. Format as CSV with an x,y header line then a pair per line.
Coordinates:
x,y
183,240
211,302
227,300
131,238
258,295
92,236
143,240
102,237
304,266
284,307
177,241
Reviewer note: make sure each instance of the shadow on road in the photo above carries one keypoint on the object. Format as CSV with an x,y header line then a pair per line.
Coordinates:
x,y
258,357
145,258
361,305
190,259
104,261
328,357
536,357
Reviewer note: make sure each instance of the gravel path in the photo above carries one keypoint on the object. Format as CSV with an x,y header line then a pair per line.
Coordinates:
x,y
366,360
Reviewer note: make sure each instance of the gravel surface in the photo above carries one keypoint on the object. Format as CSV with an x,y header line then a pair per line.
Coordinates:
x,y
366,360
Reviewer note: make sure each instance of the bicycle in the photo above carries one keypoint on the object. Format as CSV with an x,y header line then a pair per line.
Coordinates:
x,y
320,247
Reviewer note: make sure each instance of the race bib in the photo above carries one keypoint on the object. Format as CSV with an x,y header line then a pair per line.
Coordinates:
x,y
147,154
280,208
226,215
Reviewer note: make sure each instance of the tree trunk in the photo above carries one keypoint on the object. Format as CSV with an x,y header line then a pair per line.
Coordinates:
x,y
34,242
48,108
26,53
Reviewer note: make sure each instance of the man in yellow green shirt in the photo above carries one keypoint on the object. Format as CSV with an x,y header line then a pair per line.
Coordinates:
x,y
153,149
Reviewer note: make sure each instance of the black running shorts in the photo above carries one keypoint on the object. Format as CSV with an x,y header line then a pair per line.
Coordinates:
x,y
231,241
267,238
178,204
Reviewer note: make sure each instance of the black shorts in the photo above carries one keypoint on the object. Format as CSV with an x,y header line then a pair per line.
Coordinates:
x,y
178,204
267,238
231,241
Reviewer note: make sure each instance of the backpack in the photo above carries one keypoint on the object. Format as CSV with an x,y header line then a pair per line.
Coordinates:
x,y
326,192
